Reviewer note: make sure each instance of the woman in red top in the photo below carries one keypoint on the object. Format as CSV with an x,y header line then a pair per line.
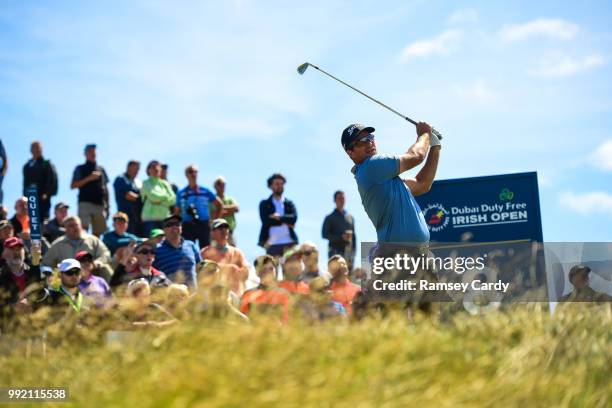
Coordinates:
x,y
344,291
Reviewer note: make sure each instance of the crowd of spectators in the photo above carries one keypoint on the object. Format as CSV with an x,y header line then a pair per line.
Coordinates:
x,y
168,253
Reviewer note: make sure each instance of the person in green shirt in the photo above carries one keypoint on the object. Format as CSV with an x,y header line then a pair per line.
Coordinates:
x,y
230,207
157,197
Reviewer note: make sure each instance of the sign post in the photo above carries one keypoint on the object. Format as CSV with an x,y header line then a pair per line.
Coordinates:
x,y
35,223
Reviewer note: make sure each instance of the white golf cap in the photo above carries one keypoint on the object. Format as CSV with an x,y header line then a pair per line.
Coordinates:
x,y
68,264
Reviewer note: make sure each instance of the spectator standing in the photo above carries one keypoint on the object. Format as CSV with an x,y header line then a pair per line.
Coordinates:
x,y
193,202
339,229
42,174
76,240
3,169
230,207
118,237
54,228
127,195
230,259
157,197
176,256
91,180
164,176
278,217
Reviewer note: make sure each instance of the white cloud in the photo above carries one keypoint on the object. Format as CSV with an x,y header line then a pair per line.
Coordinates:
x,y
547,27
602,156
439,45
593,203
463,16
477,90
561,65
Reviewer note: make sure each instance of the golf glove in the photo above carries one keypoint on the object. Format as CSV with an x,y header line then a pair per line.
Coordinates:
x,y
433,140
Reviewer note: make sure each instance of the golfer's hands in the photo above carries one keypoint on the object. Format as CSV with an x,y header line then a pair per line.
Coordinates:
x,y
423,128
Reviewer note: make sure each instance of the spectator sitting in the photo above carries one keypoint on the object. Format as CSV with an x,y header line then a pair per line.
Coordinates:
x,y
344,291
267,297
76,240
230,259
230,207
6,231
118,237
67,295
176,256
157,197
310,256
318,304
157,235
137,263
127,195
54,228
193,201
21,219
15,274
91,180
177,298
293,269
93,287
582,292
140,311
278,217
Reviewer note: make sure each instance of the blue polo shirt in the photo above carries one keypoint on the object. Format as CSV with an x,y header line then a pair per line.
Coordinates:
x,y
388,201
200,200
171,260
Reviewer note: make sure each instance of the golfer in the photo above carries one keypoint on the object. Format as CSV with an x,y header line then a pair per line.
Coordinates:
x,y
388,199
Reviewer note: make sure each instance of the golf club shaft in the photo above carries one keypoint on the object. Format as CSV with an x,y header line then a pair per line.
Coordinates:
x,y
435,132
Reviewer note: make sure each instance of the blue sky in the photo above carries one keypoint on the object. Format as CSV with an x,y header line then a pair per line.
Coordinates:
x,y
516,87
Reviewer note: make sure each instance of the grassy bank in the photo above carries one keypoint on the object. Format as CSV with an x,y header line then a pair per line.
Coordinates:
x,y
523,358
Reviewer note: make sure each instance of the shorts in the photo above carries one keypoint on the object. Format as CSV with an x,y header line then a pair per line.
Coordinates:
x,y
94,215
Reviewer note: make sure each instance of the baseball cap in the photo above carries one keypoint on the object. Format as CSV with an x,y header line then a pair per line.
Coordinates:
x,y
61,204
156,232
90,146
147,243
68,264
4,224
121,215
350,134
578,270
172,218
13,242
219,222
83,256
293,252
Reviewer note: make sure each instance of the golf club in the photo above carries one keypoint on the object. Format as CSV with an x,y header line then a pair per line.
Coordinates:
x,y
302,68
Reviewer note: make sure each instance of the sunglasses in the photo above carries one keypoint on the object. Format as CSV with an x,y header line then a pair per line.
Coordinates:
x,y
72,272
308,253
119,220
147,252
366,139
172,224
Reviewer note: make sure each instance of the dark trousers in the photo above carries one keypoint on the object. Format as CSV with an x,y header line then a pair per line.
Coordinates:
x,y
197,230
279,249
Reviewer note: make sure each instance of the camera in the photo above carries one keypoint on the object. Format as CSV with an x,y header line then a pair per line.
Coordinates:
x,y
192,211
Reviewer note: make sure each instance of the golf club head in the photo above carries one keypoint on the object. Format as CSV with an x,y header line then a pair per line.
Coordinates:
x,y
302,68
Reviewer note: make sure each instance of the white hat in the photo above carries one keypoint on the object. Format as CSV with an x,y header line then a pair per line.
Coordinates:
x,y
68,264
